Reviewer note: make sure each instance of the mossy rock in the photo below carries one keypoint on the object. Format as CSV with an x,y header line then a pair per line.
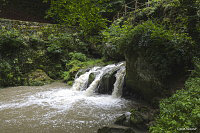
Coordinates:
x,y
116,129
141,78
136,118
120,120
124,120
82,71
37,78
91,79
70,83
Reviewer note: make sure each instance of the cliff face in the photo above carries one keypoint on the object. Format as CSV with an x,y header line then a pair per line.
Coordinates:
x,y
142,79
27,10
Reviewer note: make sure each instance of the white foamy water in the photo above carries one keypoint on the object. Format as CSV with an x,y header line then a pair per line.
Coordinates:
x,y
56,108
101,72
118,85
81,82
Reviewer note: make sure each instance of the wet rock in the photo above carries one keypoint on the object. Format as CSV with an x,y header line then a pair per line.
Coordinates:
x,y
81,71
141,78
124,120
120,120
146,81
106,85
91,79
116,129
138,118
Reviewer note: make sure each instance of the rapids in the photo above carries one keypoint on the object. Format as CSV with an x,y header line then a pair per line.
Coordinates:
x,y
57,108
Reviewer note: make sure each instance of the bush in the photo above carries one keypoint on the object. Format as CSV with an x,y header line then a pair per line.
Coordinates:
x,y
9,76
164,49
66,42
78,56
78,61
182,110
10,41
112,38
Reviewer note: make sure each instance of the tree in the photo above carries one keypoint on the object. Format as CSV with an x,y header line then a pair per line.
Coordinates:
x,y
86,14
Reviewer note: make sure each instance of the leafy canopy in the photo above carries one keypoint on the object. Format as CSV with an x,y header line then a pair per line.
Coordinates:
x,y
87,14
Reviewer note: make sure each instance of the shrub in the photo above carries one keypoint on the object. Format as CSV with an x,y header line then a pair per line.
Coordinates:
x,y
78,61
182,110
10,41
78,56
65,42
164,49
9,76
112,38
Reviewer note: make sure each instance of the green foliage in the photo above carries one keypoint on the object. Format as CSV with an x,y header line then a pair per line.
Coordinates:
x,y
179,15
22,51
10,44
196,71
10,41
164,49
65,42
78,61
87,14
112,37
10,75
5,73
38,78
78,56
182,110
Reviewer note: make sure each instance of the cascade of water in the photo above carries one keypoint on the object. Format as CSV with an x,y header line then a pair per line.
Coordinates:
x,y
81,82
94,84
77,74
117,92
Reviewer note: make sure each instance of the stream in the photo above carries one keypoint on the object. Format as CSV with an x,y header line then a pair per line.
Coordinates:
x,y
56,108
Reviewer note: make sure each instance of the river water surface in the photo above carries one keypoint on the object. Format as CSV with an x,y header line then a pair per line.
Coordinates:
x,y
56,108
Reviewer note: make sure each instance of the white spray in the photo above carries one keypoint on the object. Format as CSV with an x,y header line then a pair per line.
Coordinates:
x,y
117,92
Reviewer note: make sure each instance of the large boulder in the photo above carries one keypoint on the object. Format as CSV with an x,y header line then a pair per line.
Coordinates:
x,y
106,85
141,78
38,77
138,118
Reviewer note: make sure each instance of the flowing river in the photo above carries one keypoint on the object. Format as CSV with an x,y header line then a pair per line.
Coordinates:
x,y
56,108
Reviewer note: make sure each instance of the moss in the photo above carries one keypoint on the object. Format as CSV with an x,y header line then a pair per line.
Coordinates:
x,y
38,77
136,117
77,62
70,83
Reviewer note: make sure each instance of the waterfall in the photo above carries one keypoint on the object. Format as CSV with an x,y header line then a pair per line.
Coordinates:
x,y
117,92
94,84
81,82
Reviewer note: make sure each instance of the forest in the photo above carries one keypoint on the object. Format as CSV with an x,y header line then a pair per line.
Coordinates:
x,y
158,39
